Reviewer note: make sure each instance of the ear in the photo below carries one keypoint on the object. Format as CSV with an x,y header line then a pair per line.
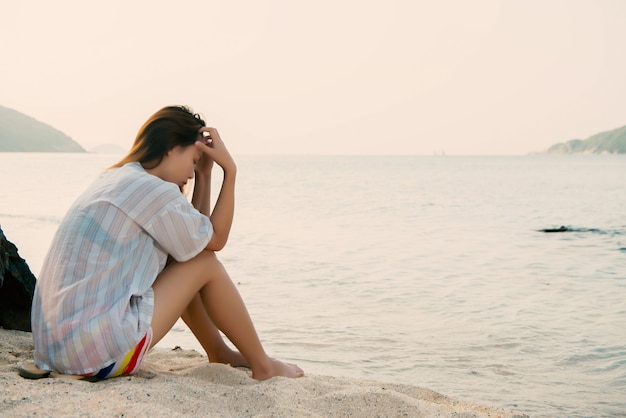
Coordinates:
x,y
173,150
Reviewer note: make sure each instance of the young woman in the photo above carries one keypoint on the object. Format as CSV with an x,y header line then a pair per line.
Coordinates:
x,y
133,255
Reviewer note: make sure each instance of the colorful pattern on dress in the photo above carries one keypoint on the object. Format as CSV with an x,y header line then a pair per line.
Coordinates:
x,y
127,365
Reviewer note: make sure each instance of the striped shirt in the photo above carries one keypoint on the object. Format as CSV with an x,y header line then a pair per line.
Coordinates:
x,y
94,301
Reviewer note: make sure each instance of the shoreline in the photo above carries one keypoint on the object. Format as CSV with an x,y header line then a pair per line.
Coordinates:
x,y
181,383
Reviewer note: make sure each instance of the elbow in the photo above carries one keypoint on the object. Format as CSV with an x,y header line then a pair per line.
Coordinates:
x,y
215,248
216,243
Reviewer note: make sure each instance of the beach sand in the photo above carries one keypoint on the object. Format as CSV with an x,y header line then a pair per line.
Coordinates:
x,y
181,383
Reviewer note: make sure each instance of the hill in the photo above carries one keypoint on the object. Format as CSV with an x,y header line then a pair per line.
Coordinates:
x,y
22,133
609,142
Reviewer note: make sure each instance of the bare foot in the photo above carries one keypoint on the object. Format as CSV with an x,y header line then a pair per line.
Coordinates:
x,y
277,368
228,356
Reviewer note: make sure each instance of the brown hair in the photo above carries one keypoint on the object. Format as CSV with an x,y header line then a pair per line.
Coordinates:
x,y
167,128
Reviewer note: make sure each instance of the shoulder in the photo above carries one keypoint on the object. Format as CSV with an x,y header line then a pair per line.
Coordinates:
x,y
131,172
133,177
133,190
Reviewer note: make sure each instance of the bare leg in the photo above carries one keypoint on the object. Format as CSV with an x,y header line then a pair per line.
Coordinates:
x,y
177,286
210,338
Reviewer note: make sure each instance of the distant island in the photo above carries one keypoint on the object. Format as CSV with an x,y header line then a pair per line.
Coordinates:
x,y
22,133
609,142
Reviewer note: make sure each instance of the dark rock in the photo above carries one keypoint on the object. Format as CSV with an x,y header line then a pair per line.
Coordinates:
x,y
572,229
561,229
17,285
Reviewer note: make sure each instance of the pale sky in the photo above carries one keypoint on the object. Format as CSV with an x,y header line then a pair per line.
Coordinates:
x,y
326,76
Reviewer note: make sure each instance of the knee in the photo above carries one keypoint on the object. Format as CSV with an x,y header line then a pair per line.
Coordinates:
x,y
207,258
208,254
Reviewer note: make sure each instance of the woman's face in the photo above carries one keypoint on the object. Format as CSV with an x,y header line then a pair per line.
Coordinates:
x,y
178,165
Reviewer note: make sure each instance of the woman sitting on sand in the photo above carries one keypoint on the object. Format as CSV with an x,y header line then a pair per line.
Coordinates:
x,y
107,291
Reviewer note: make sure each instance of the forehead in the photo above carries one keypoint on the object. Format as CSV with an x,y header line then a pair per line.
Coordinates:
x,y
192,151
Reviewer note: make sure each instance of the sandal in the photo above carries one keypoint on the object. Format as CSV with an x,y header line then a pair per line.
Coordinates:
x,y
31,371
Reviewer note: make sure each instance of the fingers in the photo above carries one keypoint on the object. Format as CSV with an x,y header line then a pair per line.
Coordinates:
x,y
208,135
213,147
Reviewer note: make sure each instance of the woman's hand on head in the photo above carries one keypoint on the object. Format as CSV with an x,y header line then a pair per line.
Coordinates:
x,y
213,149
205,164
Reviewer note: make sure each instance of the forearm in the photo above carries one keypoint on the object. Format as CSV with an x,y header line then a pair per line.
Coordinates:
x,y
201,198
223,212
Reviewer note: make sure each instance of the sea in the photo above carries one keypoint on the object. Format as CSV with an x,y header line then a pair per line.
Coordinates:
x,y
432,271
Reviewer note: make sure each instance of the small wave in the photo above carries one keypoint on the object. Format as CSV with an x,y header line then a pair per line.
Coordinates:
x,y
603,358
51,219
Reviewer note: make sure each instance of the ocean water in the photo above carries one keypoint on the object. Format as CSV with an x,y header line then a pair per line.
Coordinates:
x,y
424,270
